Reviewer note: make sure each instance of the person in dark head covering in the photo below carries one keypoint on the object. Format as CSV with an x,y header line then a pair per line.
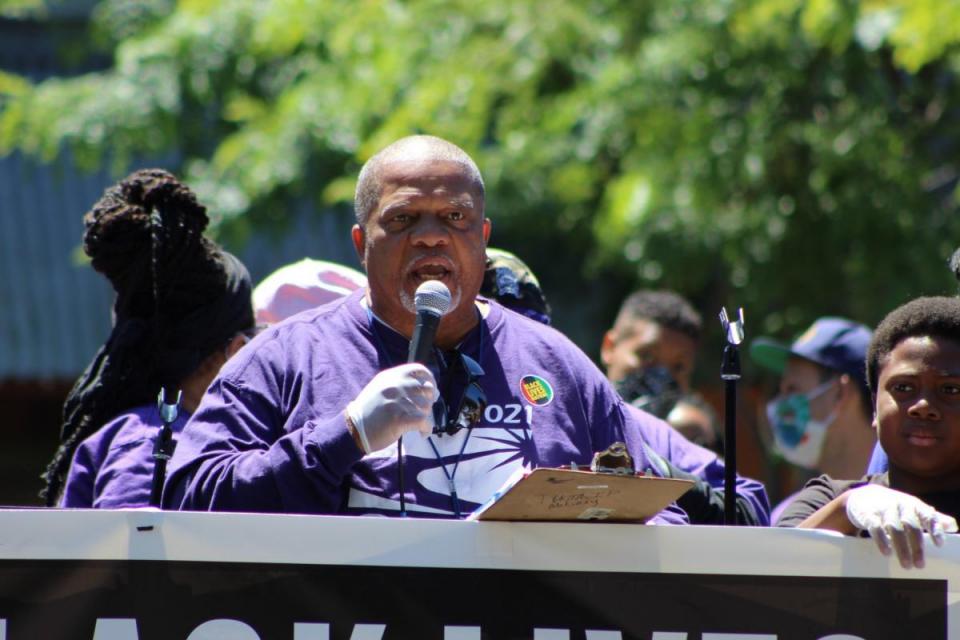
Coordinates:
x,y
183,307
508,280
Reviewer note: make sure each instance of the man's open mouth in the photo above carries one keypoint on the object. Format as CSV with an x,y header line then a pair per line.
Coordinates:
x,y
428,270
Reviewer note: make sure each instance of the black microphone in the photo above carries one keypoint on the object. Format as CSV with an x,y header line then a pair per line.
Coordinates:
x,y
432,301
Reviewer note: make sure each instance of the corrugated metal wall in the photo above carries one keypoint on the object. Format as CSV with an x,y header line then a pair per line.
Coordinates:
x,y
53,310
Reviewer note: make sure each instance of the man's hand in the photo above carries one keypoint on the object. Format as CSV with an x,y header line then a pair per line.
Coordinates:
x,y
896,521
395,401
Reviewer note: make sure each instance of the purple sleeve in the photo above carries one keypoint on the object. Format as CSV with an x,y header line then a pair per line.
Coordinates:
x,y
671,445
78,488
611,420
878,461
125,478
235,455
673,514
704,463
114,467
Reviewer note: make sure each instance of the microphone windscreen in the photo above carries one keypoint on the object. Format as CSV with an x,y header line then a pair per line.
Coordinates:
x,y
433,297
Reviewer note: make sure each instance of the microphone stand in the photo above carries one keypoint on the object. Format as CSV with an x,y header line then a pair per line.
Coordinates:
x,y
163,448
730,374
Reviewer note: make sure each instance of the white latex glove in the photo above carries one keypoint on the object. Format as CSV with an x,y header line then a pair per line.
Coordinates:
x,y
395,401
896,521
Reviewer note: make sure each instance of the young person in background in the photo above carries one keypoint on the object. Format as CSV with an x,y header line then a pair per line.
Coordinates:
x,y
649,355
820,417
913,368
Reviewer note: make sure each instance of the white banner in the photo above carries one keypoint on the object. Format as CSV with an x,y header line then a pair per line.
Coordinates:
x,y
141,574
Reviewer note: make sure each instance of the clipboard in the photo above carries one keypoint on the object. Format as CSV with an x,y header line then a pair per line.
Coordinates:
x,y
564,495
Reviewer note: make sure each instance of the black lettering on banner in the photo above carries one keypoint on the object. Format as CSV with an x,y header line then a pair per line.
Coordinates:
x,y
126,629
151,600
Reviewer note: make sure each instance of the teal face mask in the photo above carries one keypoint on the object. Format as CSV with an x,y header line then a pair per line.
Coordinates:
x,y
797,437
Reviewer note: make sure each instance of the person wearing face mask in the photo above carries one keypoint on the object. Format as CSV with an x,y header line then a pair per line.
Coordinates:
x,y
820,417
649,356
913,368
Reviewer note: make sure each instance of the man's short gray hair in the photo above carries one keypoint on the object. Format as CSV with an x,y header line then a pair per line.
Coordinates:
x,y
369,186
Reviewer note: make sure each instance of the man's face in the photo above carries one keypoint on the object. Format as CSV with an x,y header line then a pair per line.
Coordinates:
x,y
800,376
918,407
427,225
648,344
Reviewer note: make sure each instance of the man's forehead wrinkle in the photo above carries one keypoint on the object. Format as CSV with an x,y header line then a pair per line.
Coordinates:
x,y
427,168
460,193
408,193
426,171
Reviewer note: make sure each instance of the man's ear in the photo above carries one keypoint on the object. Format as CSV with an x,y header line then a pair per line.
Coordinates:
x,y
606,347
359,243
487,226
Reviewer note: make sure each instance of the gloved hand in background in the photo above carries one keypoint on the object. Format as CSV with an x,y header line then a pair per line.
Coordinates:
x,y
896,521
395,401
702,502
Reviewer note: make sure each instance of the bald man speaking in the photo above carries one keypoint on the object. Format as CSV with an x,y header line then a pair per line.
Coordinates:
x,y
307,418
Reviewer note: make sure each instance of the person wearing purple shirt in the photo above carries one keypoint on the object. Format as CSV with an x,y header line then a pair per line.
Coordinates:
x,y
183,307
510,281
307,419
113,468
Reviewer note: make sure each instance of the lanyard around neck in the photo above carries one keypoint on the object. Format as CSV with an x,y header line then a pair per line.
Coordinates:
x,y
373,320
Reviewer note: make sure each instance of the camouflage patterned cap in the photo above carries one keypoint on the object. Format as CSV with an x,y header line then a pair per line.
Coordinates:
x,y
509,281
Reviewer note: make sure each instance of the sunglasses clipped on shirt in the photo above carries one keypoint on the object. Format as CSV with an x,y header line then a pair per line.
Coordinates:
x,y
469,408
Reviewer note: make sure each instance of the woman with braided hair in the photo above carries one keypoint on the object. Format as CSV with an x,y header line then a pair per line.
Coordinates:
x,y
183,307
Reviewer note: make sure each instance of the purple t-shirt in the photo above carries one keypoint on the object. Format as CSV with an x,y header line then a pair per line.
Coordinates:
x,y
113,468
270,433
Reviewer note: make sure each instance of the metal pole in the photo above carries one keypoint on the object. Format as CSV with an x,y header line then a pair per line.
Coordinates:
x,y
730,373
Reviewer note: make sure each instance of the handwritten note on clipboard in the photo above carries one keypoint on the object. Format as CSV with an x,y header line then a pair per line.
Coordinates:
x,y
564,495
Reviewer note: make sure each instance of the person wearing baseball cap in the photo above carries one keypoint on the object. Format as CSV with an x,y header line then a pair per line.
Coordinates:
x,y
820,417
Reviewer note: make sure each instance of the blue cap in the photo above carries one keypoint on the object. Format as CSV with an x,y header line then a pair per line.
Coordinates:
x,y
834,343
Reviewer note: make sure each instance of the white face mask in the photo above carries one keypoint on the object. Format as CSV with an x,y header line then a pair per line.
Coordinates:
x,y
798,437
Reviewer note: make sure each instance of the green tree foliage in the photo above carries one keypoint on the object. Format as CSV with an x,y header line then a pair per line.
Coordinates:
x,y
794,157
20,8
